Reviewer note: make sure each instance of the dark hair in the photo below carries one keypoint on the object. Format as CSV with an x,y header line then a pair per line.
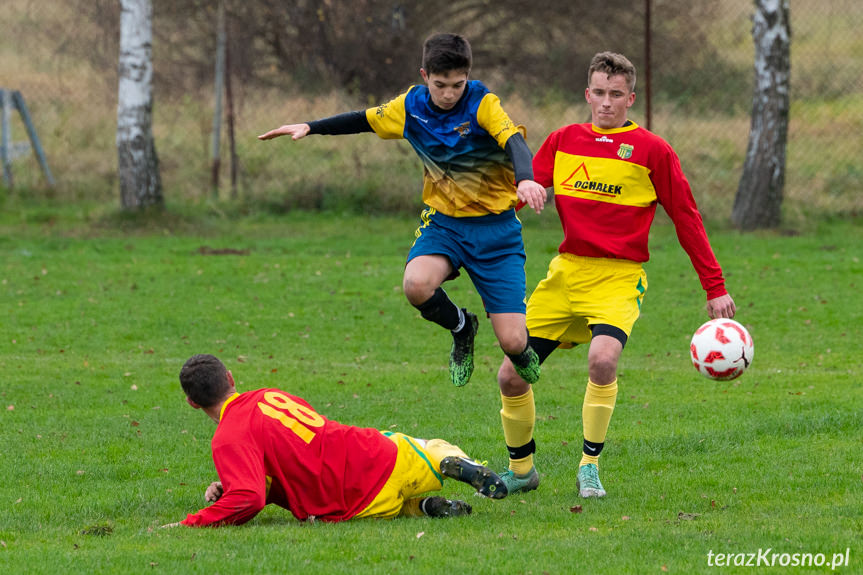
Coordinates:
x,y
614,65
204,379
444,53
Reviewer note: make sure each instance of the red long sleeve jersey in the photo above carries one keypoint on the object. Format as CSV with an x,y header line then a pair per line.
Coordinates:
x,y
607,184
272,447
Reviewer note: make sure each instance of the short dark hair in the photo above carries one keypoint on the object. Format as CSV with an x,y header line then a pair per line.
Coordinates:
x,y
614,65
204,379
444,53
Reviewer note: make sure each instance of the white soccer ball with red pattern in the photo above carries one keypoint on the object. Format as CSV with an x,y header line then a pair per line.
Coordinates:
x,y
721,349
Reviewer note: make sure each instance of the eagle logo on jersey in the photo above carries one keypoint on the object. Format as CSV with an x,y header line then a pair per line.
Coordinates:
x,y
463,129
624,152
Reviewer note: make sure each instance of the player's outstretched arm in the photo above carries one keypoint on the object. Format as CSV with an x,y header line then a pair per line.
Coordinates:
x,y
532,194
212,494
295,131
722,306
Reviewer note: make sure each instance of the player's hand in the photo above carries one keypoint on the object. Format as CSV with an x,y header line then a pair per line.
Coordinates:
x,y
531,194
722,306
295,131
214,491
169,525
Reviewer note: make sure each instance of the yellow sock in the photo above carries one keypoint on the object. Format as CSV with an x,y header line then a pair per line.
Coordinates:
x,y
518,417
596,413
437,449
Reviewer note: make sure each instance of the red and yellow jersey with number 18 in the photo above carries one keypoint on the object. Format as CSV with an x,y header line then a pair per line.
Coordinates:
x,y
607,184
272,447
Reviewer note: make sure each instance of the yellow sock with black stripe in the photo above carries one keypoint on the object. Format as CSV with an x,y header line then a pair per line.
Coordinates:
x,y
596,413
518,417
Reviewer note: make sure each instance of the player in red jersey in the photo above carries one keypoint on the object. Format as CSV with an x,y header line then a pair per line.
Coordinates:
x,y
608,177
273,447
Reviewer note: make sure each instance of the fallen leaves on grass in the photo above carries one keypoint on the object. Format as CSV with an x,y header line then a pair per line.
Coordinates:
x,y
576,509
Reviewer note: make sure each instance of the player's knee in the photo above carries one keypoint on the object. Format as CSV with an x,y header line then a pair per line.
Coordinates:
x,y
509,382
602,369
514,342
417,290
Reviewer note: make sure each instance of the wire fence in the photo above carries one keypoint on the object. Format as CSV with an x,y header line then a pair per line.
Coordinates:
x,y
62,58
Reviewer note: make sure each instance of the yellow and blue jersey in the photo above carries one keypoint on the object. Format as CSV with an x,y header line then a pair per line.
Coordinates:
x,y
466,169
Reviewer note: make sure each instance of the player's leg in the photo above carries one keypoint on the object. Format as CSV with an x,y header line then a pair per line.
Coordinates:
x,y
511,333
456,464
518,418
612,317
423,277
599,400
548,318
422,464
493,255
412,475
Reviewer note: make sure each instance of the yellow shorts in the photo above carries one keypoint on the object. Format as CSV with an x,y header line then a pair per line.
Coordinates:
x,y
417,471
579,292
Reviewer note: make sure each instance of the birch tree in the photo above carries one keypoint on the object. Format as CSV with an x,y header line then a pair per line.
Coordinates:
x,y
138,164
759,195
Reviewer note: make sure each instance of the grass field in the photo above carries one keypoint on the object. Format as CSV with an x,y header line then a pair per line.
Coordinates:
x,y
99,448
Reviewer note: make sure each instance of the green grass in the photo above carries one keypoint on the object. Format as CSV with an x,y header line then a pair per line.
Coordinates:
x,y
99,447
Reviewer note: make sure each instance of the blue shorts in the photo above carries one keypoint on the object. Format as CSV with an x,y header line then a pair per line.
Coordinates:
x,y
489,248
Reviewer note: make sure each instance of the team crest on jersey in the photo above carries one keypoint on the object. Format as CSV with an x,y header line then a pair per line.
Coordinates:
x,y
625,151
463,129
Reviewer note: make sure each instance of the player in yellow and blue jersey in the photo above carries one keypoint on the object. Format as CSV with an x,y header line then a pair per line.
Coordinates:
x,y
477,167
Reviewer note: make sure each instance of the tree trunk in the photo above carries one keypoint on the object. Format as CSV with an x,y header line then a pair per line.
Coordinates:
x,y
759,196
138,165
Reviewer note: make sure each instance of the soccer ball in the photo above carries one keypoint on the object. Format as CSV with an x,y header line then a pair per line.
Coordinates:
x,y
721,349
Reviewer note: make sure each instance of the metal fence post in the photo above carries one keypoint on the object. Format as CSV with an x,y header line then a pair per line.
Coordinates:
x,y
5,154
31,133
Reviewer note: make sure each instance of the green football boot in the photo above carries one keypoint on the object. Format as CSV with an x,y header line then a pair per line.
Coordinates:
x,y
527,365
588,481
523,483
461,355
